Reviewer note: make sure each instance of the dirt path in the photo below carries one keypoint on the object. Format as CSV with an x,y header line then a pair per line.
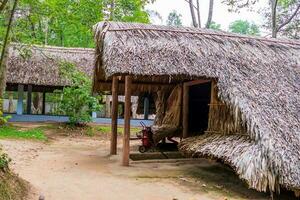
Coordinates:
x,y
79,168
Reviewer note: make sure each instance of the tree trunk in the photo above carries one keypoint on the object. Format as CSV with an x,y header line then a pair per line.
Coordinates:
x,y
5,51
210,13
193,13
273,17
198,14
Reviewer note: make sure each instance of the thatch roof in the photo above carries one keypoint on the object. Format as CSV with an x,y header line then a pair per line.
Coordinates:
x,y
39,65
259,77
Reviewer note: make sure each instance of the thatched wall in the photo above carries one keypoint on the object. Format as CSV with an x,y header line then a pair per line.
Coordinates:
x,y
39,65
258,77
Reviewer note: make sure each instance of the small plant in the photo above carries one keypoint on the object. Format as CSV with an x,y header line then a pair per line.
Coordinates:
x,y
76,101
3,119
4,161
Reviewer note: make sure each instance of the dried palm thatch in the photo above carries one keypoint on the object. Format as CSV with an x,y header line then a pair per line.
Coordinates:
x,y
258,77
170,123
39,65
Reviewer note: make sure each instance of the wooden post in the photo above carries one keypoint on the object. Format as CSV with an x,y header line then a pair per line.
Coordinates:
x,y
185,111
213,101
107,106
114,117
20,99
146,108
126,136
44,104
29,98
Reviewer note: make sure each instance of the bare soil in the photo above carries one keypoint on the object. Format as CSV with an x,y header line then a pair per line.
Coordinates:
x,y
78,167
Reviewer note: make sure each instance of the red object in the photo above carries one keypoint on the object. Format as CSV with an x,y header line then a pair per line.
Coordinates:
x,y
147,137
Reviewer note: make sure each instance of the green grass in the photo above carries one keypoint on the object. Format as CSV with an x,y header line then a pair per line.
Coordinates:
x,y
14,133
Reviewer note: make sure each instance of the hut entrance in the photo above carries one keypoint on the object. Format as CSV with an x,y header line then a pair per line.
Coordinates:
x,y
199,99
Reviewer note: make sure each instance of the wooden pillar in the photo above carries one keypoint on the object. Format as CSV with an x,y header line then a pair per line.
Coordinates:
x,y
107,106
146,108
29,98
185,111
20,99
114,117
212,105
10,102
44,104
126,137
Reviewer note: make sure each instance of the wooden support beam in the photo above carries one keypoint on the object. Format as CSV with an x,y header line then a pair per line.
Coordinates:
x,y
44,104
213,103
196,82
146,108
29,98
114,117
126,137
185,111
20,99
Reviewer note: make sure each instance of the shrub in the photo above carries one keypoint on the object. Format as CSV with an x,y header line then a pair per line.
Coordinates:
x,y
76,101
4,161
3,119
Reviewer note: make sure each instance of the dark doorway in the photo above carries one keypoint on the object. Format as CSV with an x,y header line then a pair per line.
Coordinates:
x,y
199,99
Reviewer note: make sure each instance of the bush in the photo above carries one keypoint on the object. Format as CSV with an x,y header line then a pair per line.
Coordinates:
x,y
76,101
3,120
4,162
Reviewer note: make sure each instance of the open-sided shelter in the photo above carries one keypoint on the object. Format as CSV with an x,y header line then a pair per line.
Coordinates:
x,y
34,68
243,91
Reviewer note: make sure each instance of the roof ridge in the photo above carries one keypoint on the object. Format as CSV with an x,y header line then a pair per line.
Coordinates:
x,y
232,35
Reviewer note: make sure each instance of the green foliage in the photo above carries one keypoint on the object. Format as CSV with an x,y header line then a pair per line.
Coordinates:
x,y
76,100
174,19
14,133
244,27
4,161
69,23
215,26
3,119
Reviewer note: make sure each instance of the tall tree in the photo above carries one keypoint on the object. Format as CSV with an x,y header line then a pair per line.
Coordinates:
x,y
244,27
174,19
195,13
281,15
10,17
210,13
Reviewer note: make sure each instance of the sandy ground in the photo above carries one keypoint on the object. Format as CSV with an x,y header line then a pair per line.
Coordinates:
x,y
77,168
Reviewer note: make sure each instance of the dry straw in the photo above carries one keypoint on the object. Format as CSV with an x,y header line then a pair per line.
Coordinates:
x,y
259,77
39,65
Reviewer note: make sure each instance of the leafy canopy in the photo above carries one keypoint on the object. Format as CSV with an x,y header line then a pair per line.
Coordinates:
x,y
69,23
174,19
244,27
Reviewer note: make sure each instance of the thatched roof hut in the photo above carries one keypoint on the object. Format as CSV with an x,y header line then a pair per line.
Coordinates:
x,y
39,65
258,79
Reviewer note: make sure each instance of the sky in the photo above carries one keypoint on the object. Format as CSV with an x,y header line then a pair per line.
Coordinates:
x,y
220,14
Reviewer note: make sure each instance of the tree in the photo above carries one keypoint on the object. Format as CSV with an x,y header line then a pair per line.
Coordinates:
x,y
244,27
215,26
69,23
9,19
282,15
174,19
197,20
76,101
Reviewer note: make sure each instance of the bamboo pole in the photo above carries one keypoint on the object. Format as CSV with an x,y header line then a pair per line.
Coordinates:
x,y
126,136
185,111
114,117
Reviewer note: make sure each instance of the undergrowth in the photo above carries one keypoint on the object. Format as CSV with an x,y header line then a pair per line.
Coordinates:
x,y
14,133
